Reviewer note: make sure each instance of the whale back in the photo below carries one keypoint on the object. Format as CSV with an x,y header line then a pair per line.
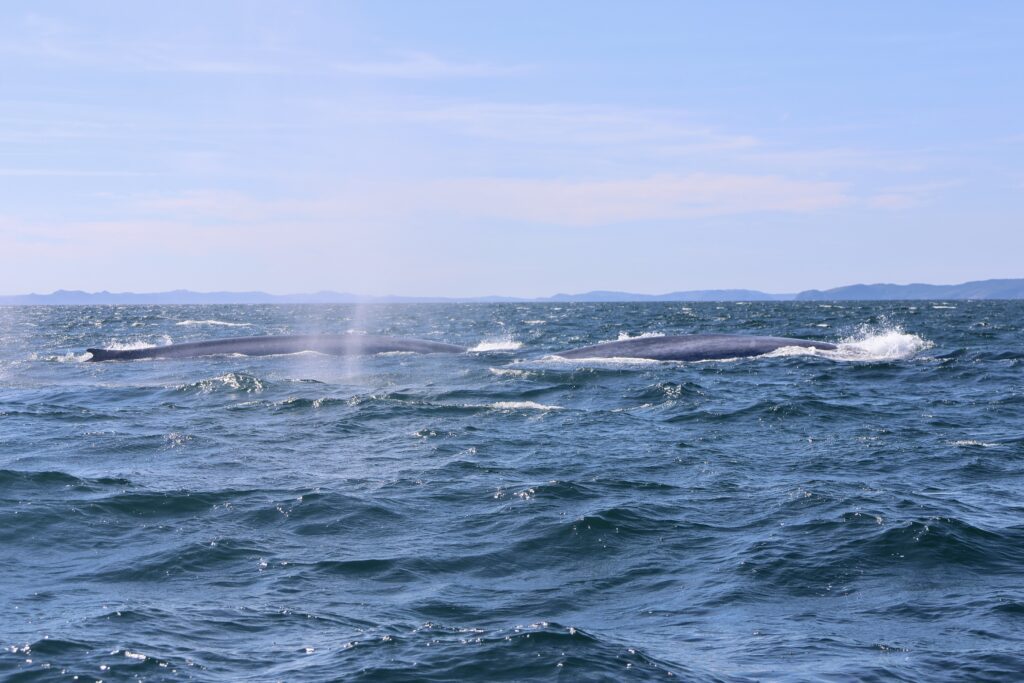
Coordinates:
x,y
691,347
336,345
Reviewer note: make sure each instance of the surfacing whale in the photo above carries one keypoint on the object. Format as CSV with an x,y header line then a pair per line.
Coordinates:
x,y
333,344
692,347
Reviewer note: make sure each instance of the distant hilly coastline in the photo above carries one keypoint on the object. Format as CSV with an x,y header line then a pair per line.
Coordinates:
x,y
980,289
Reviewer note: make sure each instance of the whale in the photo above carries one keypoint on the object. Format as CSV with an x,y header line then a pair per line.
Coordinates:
x,y
332,344
691,347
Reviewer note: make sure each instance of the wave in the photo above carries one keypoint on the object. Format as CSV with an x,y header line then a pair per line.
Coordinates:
x,y
222,323
536,651
221,556
296,403
585,363
819,556
522,405
57,480
510,372
69,357
233,381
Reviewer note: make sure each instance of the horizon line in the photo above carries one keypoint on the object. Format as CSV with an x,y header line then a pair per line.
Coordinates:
x,y
995,289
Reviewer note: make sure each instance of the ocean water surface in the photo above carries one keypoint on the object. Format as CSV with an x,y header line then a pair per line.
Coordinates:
x,y
505,515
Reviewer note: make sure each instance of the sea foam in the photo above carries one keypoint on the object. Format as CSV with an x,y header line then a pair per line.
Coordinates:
x,y
871,344
222,323
506,344
136,344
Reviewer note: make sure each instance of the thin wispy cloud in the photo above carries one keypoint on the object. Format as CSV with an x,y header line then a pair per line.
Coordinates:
x,y
421,65
44,39
908,196
841,158
180,62
657,135
577,124
40,37
63,172
556,202
592,203
374,227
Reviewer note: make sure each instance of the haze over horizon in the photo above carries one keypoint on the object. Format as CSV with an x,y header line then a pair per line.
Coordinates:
x,y
455,149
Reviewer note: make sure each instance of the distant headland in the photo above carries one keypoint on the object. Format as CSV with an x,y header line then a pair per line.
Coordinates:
x,y
979,289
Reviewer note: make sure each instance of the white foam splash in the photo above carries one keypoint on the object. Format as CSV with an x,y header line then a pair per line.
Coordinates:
x,y
623,336
213,322
507,344
229,380
509,372
137,344
129,346
522,405
869,344
615,361
889,343
69,357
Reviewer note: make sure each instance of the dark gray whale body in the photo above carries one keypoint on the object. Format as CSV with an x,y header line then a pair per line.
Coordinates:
x,y
333,344
692,347
687,347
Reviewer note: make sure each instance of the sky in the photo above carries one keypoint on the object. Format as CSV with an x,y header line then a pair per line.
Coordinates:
x,y
511,148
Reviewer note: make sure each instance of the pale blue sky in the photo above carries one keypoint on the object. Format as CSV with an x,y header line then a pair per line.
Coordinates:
x,y
469,148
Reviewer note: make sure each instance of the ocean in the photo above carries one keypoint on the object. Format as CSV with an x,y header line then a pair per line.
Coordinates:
x,y
505,515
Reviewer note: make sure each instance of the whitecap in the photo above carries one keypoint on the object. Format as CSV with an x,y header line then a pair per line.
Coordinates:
x,y
222,323
116,345
69,357
522,405
623,336
507,344
868,344
129,346
589,362
509,372
229,380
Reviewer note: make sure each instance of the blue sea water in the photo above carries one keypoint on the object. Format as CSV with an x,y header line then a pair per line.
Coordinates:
x,y
505,515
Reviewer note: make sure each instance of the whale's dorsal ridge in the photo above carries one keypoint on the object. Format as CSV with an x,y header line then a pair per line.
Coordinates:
x,y
691,347
333,344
